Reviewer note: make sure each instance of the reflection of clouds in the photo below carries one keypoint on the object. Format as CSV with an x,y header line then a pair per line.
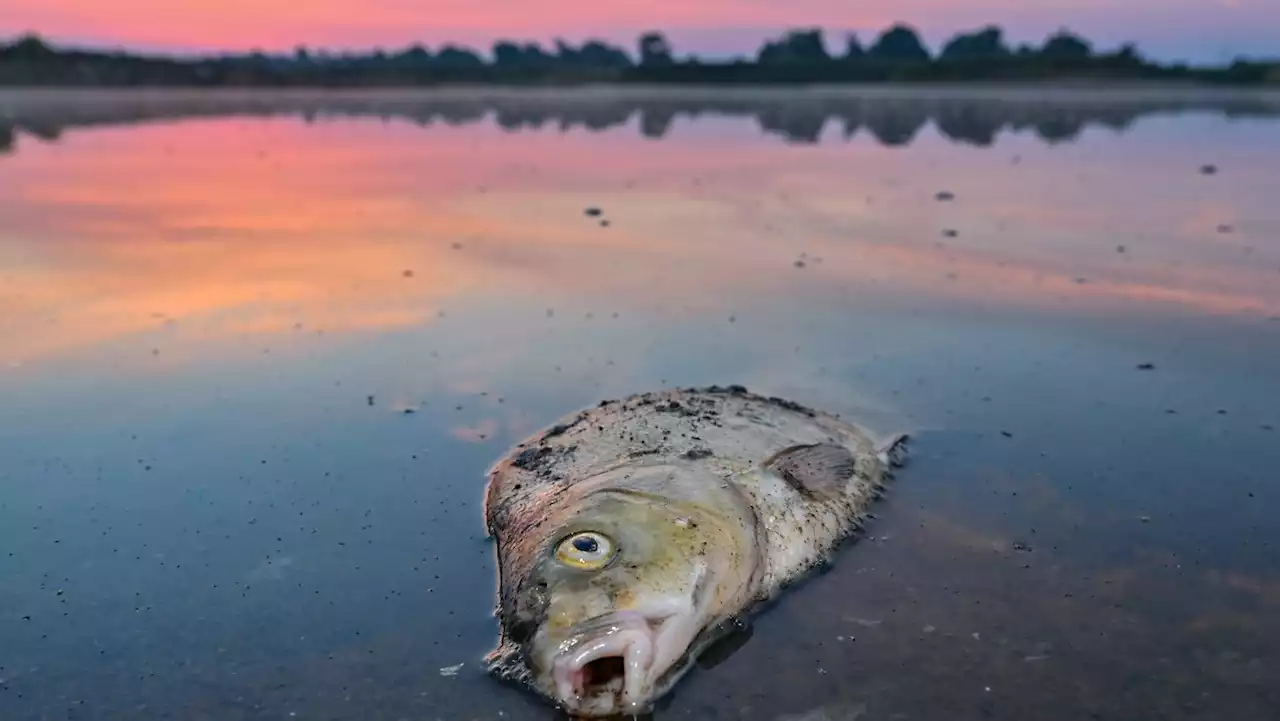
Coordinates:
x,y
272,569
319,233
940,534
520,424
700,230
1226,620
1263,589
477,433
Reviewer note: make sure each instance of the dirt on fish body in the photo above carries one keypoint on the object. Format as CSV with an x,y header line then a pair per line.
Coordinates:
x,y
633,535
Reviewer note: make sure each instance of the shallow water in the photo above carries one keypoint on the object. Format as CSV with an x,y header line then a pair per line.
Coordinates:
x,y
215,312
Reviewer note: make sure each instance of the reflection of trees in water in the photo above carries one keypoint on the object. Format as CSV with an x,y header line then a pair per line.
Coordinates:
x,y
968,124
896,127
656,122
457,116
799,118
794,124
1058,130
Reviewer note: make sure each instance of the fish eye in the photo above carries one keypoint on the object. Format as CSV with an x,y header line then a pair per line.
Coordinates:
x,y
587,550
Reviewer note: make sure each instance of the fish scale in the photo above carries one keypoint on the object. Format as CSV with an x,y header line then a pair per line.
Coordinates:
x,y
709,500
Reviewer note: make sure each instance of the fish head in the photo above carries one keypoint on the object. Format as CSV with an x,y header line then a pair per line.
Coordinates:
x,y
626,589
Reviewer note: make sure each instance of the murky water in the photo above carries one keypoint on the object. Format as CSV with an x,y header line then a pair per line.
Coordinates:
x,y
256,353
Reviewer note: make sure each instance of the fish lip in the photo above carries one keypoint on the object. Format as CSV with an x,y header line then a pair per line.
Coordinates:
x,y
630,635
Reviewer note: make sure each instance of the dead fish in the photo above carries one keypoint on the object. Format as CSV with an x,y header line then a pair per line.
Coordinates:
x,y
633,535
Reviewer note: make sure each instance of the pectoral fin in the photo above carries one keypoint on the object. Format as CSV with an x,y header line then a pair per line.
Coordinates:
x,y
819,470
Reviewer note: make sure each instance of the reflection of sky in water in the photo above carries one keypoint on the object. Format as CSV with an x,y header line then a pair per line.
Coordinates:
x,y
213,502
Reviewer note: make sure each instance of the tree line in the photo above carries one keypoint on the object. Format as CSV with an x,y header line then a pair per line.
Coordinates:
x,y
799,56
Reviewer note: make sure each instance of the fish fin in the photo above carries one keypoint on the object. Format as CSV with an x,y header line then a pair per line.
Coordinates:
x,y
822,469
893,452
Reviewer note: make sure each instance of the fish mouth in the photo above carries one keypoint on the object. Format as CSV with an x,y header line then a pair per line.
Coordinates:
x,y
604,667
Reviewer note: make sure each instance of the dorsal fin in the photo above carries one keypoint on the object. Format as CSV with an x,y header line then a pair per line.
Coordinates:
x,y
816,470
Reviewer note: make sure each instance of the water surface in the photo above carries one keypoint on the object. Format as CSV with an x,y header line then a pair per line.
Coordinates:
x,y
257,352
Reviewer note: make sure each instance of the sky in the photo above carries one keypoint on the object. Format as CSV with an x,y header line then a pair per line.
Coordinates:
x,y
1166,29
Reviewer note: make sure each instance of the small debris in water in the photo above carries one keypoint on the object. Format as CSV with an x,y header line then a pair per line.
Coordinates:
x,y
604,224
451,671
977,637
950,233
1208,169
593,212
799,264
1033,659
1006,434
864,622
409,411
1146,366
929,629
945,196
1145,519
407,273
370,400
456,246
1120,249
1019,546
1225,228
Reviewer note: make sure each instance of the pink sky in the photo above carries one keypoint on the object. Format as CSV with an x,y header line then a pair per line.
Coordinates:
x,y
1203,29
